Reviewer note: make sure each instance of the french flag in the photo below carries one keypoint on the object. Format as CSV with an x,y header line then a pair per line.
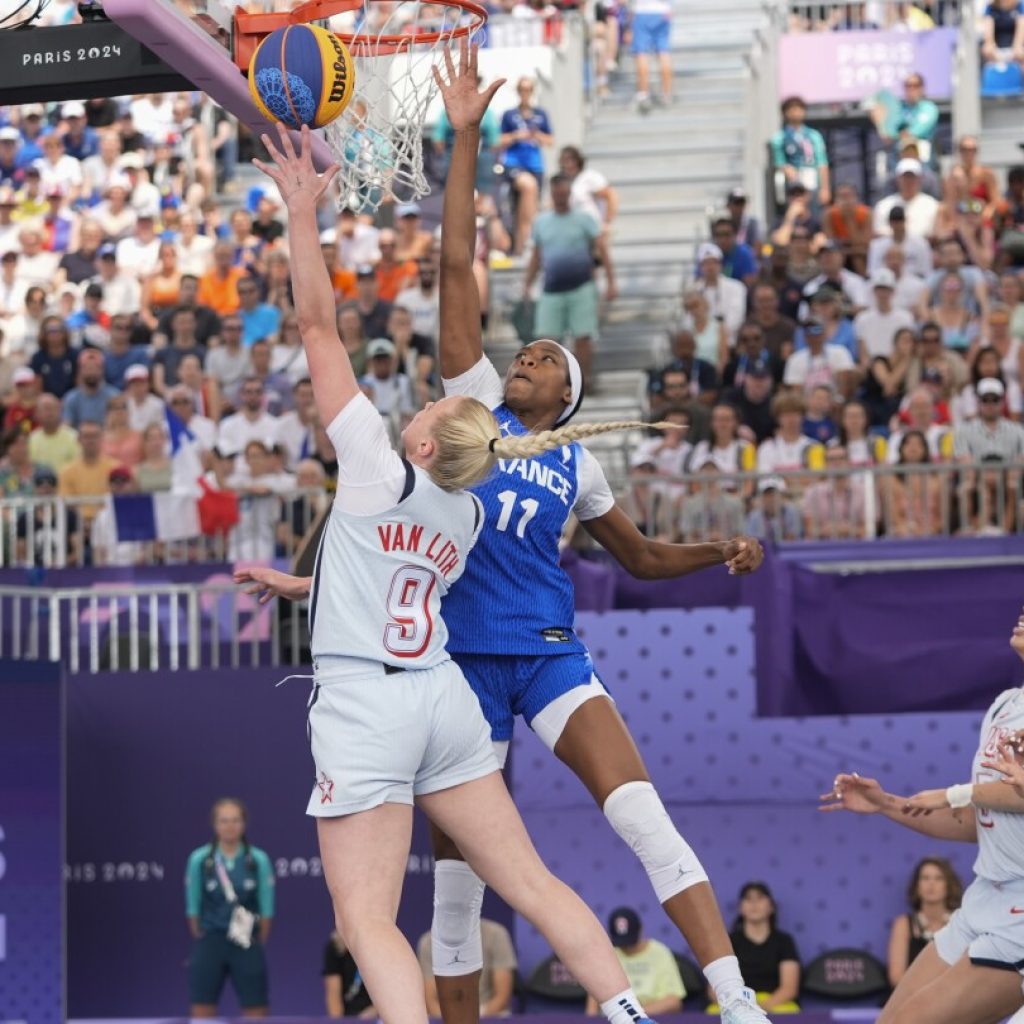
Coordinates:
x,y
167,515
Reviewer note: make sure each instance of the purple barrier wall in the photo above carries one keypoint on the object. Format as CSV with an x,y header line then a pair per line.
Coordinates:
x,y
147,756
31,806
743,790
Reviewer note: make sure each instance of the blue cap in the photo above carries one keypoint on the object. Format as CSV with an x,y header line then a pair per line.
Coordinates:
x,y
106,250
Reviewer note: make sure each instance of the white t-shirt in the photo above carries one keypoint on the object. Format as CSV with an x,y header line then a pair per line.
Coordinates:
x,y
153,118
65,174
39,269
728,299
139,258
876,330
296,437
360,248
777,455
195,257
237,430
583,195
934,435
921,212
205,431
390,395
1001,834
594,497
803,368
425,310
853,286
122,294
148,413
386,561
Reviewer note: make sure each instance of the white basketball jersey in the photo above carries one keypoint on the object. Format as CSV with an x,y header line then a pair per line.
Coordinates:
x,y
1000,835
379,579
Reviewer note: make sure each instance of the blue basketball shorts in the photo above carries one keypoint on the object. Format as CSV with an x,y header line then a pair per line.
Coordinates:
x,y
651,33
525,684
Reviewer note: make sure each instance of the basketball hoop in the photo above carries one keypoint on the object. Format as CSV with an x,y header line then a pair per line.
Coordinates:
x,y
378,140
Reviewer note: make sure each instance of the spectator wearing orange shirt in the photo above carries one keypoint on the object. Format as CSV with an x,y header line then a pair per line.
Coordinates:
x,y
343,281
848,223
392,275
218,288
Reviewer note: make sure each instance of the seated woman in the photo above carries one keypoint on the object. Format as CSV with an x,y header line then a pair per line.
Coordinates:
x,y
914,499
768,958
1002,28
933,894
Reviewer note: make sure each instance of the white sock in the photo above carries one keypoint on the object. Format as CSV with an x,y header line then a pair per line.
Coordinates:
x,y
724,977
624,1008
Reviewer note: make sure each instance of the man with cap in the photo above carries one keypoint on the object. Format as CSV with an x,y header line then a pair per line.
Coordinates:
x,y
50,529
122,292
994,438
800,153
773,518
916,251
393,274
80,141
21,409
388,389
748,230
372,309
798,216
10,141
876,327
727,299
819,361
88,400
139,252
851,288
649,964
33,122
412,242
920,208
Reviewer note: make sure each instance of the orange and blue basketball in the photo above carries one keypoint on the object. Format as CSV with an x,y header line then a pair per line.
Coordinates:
x,y
302,74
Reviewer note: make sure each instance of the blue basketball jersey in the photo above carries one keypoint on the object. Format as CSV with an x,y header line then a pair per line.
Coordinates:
x,y
513,597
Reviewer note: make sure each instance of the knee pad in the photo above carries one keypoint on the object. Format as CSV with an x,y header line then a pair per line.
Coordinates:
x,y
455,943
639,817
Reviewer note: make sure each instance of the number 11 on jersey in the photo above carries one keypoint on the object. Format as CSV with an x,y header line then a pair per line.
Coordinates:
x,y
508,506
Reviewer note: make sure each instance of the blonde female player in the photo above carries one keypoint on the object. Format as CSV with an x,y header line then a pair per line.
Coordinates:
x,y
392,720
511,620
970,974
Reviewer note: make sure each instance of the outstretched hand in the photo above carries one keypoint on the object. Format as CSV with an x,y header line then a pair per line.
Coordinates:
x,y
464,103
266,584
743,555
853,793
1008,762
293,172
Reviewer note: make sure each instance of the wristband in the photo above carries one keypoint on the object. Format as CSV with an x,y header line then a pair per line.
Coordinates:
x,y
960,796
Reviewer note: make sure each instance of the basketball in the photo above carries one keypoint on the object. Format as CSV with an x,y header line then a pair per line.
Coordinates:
x,y
302,74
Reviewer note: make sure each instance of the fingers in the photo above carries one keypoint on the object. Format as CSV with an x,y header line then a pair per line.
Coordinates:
x,y
449,64
438,80
463,56
492,89
275,154
286,141
474,53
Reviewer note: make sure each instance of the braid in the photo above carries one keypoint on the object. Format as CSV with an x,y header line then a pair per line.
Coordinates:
x,y
526,446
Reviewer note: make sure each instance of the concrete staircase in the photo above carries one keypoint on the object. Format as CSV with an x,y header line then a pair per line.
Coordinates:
x,y
670,167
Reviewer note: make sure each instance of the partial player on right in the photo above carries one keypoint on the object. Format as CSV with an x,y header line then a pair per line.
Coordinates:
x,y
971,973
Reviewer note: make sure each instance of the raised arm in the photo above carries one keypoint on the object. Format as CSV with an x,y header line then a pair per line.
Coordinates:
x,y
461,339
334,382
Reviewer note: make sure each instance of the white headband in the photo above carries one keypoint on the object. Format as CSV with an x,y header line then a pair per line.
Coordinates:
x,y
575,382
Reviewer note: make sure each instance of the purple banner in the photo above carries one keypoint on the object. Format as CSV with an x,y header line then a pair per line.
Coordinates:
x,y
147,756
846,67
31,818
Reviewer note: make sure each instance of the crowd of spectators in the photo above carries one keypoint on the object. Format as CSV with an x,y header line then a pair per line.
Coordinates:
x,y
852,339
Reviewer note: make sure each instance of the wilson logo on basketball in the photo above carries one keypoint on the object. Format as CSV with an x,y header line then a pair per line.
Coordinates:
x,y
340,69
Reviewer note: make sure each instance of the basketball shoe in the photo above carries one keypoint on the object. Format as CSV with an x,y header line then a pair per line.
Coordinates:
x,y
744,1010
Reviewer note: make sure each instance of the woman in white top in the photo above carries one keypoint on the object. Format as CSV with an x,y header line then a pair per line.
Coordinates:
x,y
970,972
726,449
708,332
392,719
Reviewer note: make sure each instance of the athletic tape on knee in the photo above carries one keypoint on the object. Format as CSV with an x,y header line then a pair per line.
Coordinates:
x,y
639,817
455,943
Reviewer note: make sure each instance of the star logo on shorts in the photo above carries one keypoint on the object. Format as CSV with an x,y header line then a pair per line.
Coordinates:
x,y
326,787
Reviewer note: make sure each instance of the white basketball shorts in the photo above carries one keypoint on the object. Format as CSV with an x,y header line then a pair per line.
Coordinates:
x,y
989,926
383,738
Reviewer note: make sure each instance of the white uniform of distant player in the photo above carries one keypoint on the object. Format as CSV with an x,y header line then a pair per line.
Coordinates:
x,y
989,926
393,545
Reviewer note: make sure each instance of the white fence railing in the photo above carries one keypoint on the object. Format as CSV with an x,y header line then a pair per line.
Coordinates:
x,y
146,628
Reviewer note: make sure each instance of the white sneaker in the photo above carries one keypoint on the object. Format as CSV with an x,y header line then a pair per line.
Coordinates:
x,y
643,102
744,1010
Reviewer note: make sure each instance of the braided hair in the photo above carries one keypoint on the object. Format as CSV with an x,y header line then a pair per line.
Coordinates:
x,y
469,443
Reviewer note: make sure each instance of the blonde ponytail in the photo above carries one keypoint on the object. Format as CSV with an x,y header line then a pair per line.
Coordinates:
x,y
526,446
469,443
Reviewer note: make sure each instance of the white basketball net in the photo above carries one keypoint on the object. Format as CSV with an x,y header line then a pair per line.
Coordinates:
x,y
378,140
